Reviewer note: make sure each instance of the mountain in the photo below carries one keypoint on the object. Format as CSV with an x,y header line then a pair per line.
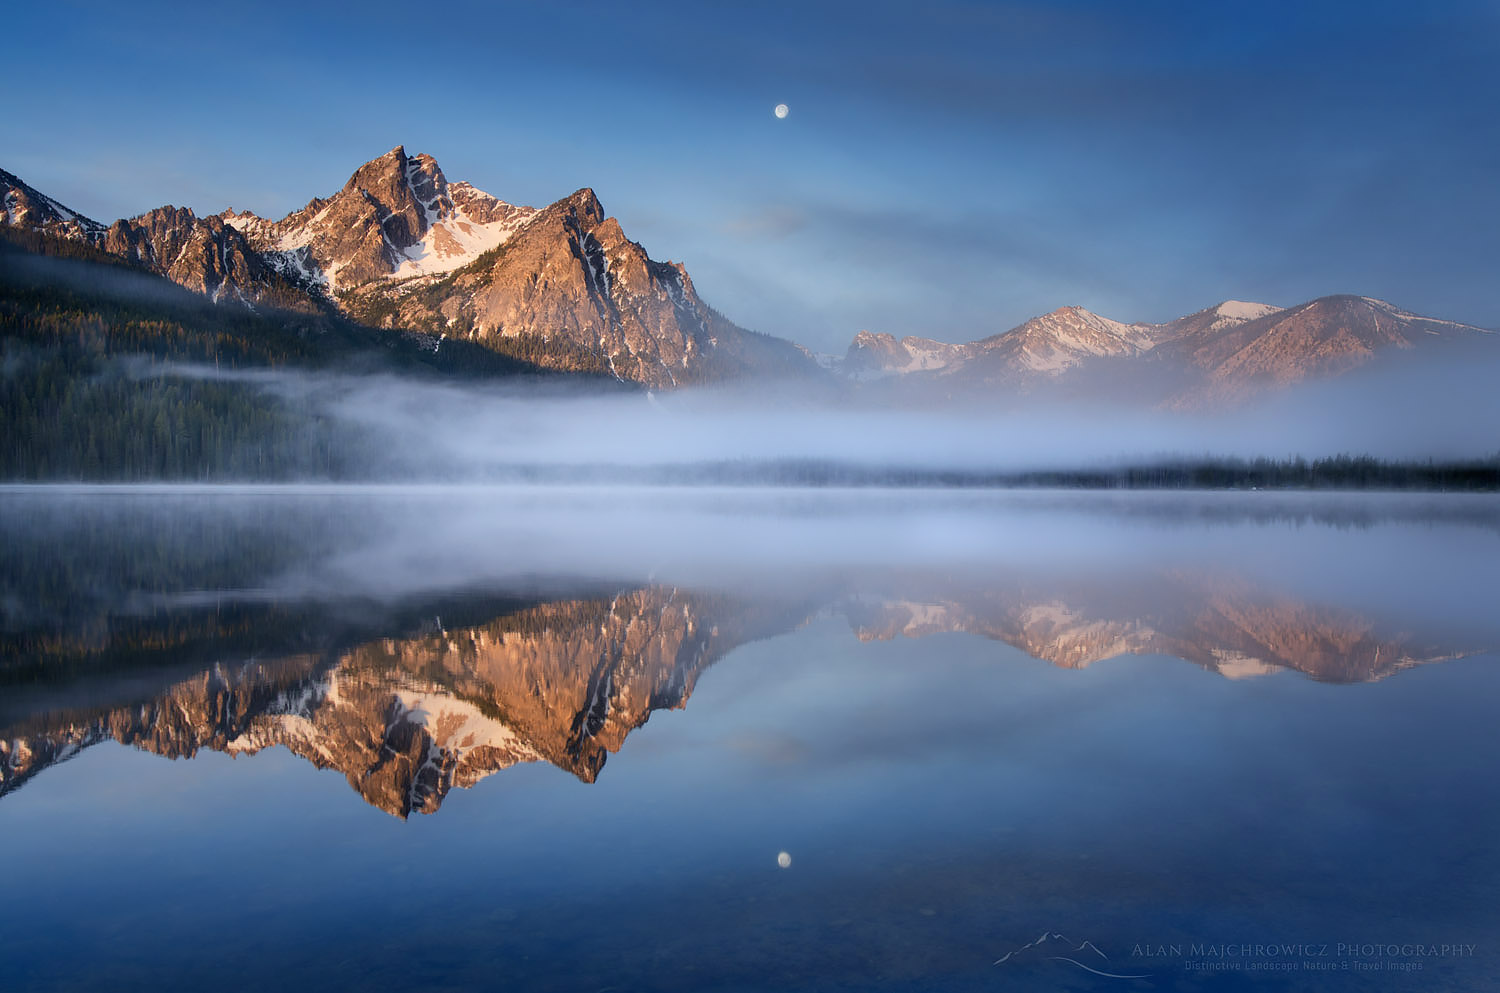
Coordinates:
x,y
202,254
402,249
1221,355
1318,339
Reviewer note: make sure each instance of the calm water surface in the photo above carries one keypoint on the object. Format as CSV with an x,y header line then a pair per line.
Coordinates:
x,y
743,740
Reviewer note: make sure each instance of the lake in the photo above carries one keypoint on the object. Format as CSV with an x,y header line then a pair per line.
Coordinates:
x,y
586,739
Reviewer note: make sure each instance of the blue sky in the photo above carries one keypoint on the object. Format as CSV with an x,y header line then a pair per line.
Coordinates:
x,y
946,170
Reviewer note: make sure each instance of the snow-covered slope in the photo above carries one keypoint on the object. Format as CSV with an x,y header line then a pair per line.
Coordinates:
x,y
1239,311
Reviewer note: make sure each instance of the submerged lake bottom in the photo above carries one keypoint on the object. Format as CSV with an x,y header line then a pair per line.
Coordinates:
x,y
571,739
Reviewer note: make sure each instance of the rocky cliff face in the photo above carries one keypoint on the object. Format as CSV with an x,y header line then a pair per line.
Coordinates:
x,y
201,253
400,247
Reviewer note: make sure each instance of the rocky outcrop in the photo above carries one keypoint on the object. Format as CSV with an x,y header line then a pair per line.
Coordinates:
x,y
201,253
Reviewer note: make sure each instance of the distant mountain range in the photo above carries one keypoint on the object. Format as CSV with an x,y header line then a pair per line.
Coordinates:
x,y
399,247
1224,354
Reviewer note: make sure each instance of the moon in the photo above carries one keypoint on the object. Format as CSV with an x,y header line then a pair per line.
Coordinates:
x,y
783,859
781,110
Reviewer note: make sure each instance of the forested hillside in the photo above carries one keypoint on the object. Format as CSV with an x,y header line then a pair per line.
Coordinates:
x,y
113,373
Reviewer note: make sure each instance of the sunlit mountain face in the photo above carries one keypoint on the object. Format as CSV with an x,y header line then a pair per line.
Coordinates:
x,y
414,652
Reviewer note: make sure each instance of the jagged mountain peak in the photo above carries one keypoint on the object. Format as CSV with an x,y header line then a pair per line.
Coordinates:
x,y
397,217
583,204
167,213
412,187
400,247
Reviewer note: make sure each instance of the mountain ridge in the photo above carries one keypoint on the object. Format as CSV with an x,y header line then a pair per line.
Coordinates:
x,y
1220,355
400,248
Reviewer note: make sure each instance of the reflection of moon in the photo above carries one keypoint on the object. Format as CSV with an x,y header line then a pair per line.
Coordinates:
x,y
782,110
783,859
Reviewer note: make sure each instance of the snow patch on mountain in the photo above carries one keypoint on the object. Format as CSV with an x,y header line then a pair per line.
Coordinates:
x,y
453,242
1232,313
297,265
1244,311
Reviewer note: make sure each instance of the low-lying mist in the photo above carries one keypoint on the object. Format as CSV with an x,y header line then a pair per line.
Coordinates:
x,y
79,556
1443,408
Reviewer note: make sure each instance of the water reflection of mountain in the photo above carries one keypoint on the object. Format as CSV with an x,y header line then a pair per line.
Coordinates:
x,y
1224,623
406,719
408,709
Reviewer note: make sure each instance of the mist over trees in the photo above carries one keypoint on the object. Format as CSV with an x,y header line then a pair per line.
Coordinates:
x,y
111,373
